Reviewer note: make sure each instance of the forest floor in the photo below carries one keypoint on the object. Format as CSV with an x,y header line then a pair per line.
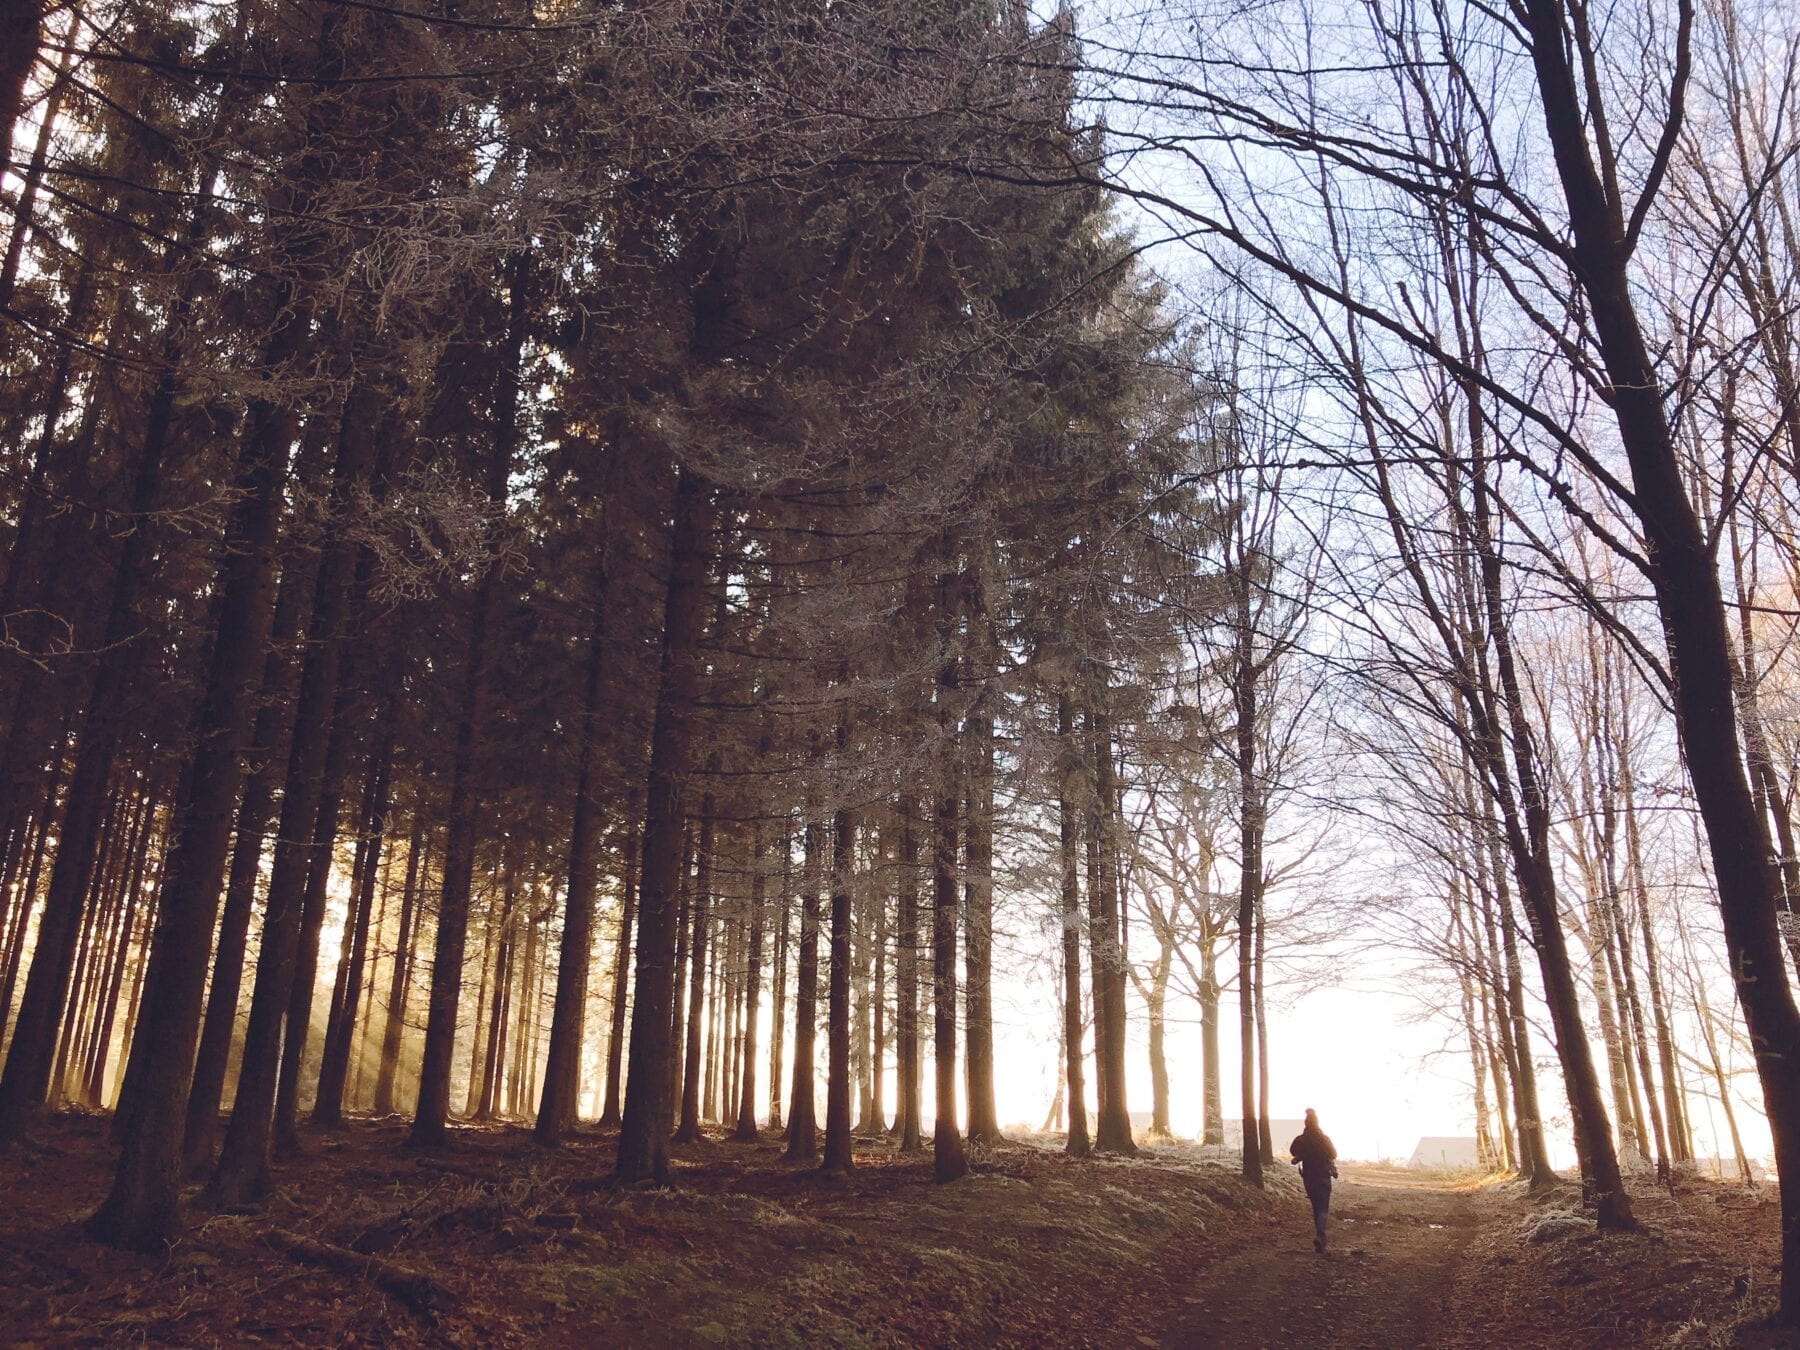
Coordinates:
x,y
497,1242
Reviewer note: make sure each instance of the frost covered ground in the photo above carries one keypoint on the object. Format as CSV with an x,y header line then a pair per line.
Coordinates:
x,y
499,1242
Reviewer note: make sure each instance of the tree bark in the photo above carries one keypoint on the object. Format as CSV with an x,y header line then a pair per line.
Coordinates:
x,y
201,1132
444,1006
802,1122
838,1150
688,1132
978,902
615,1045
778,1012
644,1131
142,1208
400,979
340,1028
562,1074
948,1159
303,981
909,1088
1113,1128
746,1111
1684,575
25,1080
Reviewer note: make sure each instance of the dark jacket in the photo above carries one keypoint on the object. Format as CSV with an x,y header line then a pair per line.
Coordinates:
x,y
1316,1156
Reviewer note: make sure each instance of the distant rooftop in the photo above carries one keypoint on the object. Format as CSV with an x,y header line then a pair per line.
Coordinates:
x,y
1446,1150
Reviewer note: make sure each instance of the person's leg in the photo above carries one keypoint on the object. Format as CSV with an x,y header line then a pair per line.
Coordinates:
x,y
1321,1202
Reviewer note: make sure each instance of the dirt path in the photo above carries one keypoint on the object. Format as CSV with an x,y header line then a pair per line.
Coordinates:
x,y
1396,1243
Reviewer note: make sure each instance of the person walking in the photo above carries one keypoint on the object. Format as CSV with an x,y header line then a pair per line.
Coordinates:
x,y
1314,1154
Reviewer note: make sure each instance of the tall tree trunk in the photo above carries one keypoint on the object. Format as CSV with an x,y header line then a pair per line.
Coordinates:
x,y
802,1123
1156,1004
948,1159
1212,1110
615,1045
25,1079
493,1050
340,1028
20,25
400,980
688,1132
909,1088
644,1132
1674,1110
1524,1075
838,1151
444,1006
746,1111
1487,1154
1264,1141
778,1010
1245,693
1602,963
365,1025
142,1207
684,909
878,1031
1113,1128
303,982
863,996
1684,575
201,1130
94,1077
311,788
1525,819
242,1171
978,901
480,1078
562,1074
98,913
